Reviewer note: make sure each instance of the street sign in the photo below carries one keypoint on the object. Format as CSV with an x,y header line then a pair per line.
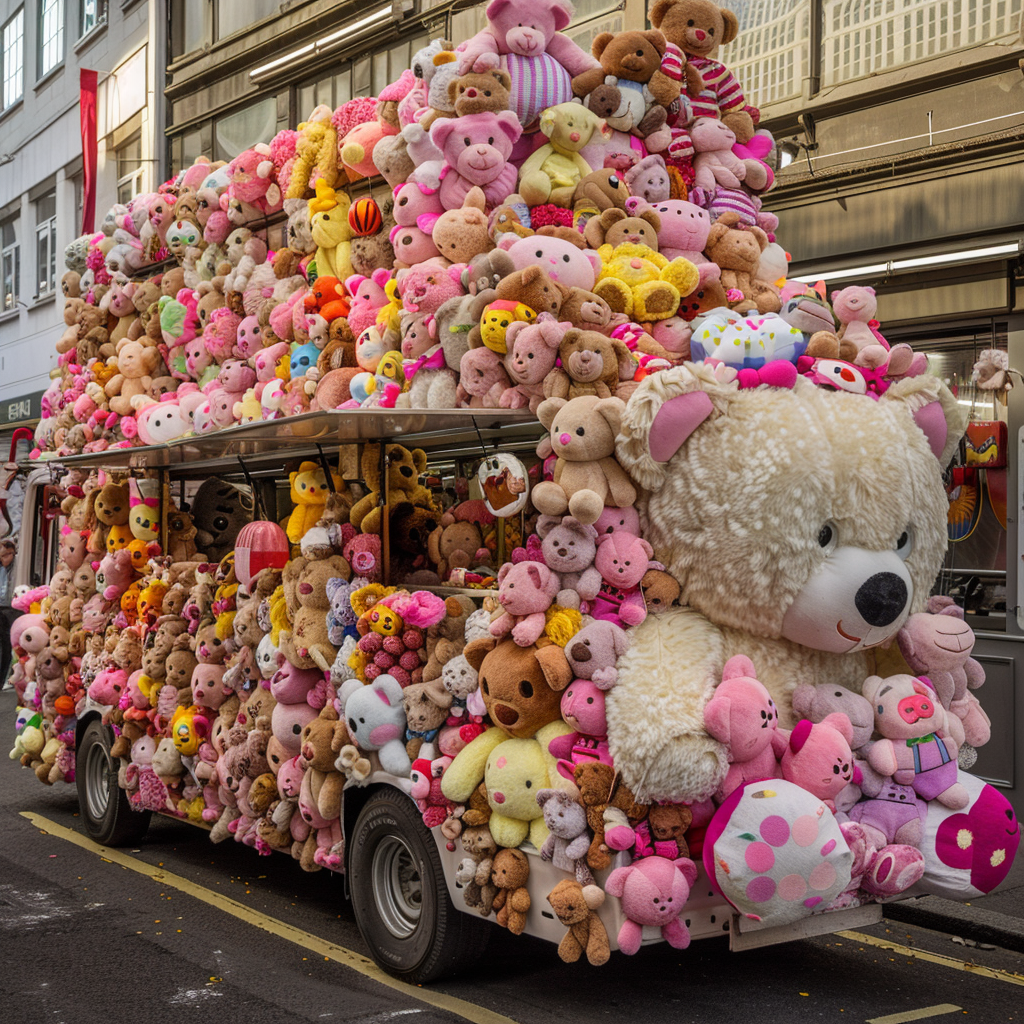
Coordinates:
x,y
22,408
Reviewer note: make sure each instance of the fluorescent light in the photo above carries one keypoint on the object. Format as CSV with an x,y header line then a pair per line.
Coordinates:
x,y
288,58
895,266
355,26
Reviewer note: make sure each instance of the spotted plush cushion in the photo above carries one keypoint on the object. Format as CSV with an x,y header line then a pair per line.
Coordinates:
x,y
776,853
968,852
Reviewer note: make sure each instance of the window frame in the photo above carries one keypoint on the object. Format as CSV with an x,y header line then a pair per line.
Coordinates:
x,y
4,105
46,239
131,178
98,22
9,254
43,43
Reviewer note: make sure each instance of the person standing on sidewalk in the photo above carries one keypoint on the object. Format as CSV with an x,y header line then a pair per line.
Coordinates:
x,y
8,549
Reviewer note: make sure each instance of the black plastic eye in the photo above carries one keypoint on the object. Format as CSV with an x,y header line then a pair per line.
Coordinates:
x,y
825,536
526,688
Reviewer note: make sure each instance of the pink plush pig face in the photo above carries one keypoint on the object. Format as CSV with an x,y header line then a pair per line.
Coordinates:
x,y
526,29
623,559
417,338
683,225
583,708
854,303
162,422
289,778
248,340
565,263
412,201
477,145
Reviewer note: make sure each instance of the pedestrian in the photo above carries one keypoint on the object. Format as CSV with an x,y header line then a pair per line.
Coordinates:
x,y
8,549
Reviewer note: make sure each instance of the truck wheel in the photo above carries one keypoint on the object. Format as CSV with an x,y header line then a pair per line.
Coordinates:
x,y
400,897
108,816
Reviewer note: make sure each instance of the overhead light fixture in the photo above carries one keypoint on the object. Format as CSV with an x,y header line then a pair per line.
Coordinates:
x,y
963,256
350,33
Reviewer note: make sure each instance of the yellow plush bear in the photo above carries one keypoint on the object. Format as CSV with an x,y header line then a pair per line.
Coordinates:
x,y
309,496
316,150
642,283
331,232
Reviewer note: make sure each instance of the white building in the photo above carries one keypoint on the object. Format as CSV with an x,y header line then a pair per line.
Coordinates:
x,y
43,46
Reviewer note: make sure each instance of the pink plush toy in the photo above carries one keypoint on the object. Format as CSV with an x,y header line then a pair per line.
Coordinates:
x,y
72,547
476,150
427,285
368,298
594,650
253,180
265,361
583,710
412,245
613,520
653,892
417,206
362,552
684,230
531,353
483,381
742,715
108,686
854,306
208,687
160,422
818,757
938,644
114,574
714,162
565,263
290,685
569,548
220,333
526,39
435,807
525,592
916,749
622,560
248,338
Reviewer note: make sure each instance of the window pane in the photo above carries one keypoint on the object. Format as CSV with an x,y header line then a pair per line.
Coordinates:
x,y
7,234
10,269
233,15
239,131
46,207
13,55
93,13
51,34
189,26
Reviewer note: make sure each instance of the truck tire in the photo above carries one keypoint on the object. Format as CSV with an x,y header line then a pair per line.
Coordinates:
x,y
106,812
400,896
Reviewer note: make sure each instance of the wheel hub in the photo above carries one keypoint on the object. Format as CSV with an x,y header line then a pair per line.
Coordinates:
x,y
397,886
99,769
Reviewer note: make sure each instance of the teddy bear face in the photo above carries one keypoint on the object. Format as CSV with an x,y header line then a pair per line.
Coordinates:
x,y
475,93
564,262
534,288
582,708
565,817
854,303
520,685
634,56
526,588
532,349
669,821
581,430
511,869
735,248
249,338
588,357
817,701
477,146
623,559
697,27
648,179
819,758
426,708
459,678
569,546
111,505
179,666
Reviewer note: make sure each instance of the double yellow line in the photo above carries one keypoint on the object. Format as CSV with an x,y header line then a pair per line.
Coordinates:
x,y
306,940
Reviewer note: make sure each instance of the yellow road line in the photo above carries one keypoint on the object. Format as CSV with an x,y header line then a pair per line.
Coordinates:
x,y
935,958
922,1014
313,943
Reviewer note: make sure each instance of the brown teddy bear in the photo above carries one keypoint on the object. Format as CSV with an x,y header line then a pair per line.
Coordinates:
x,y
307,645
600,190
737,248
474,871
613,227
574,906
404,470
510,874
601,789
455,544
426,709
668,824
591,365
447,638
534,288
698,28
476,93
661,590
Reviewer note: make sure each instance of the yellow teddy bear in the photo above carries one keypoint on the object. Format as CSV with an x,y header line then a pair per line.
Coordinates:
x,y
316,150
642,283
331,231
309,492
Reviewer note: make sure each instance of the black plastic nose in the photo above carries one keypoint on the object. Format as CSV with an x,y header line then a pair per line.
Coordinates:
x,y
881,598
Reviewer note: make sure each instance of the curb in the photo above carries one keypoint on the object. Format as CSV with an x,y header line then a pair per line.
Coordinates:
x,y
966,921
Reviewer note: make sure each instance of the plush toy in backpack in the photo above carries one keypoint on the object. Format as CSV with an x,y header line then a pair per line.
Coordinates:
x,y
742,715
916,749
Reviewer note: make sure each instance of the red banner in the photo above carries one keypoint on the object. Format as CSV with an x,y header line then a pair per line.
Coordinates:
x,y
87,98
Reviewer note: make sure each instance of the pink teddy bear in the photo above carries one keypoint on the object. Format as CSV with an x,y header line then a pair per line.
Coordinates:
x,y
583,710
742,715
855,306
265,361
483,381
208,687
114,574
653,892
426,286
476,150
684,230
714,162
220,333
368,298
248,338
531,353
525,591
818,757
622,560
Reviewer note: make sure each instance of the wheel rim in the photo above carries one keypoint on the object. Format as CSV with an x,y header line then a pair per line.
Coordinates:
x,y
98,771
397,886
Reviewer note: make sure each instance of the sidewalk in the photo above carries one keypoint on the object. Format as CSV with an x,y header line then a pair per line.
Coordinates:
x,y
997,918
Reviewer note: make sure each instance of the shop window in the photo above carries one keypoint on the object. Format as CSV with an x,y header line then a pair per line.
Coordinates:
x,y
232,15
14,58
46,245
50,37
771,55
91,14
129,169
244,128
190,26
10,264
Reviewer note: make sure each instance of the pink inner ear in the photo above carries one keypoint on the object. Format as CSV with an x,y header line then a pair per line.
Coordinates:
x,y
932,420
676,420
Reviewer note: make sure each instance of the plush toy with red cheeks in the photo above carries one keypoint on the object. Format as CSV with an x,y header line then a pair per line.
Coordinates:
x,y
818,757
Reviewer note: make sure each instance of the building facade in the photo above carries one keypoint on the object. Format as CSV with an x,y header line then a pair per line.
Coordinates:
x,y
43,46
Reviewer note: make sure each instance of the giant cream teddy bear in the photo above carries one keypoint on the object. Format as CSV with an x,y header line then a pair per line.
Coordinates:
x,y
804,527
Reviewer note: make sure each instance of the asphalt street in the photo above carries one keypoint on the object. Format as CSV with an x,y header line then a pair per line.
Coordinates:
x,y
178,929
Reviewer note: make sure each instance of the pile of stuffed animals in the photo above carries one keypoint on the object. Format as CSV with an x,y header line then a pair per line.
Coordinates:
x,y
513,219
710,649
